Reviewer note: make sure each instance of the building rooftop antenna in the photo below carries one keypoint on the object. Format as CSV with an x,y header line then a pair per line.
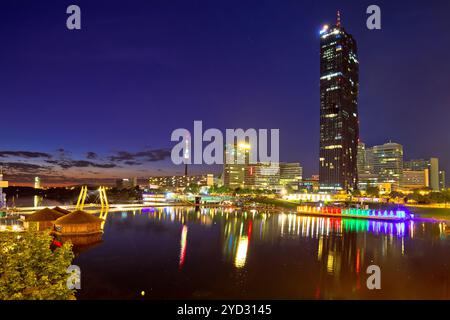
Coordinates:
x,y
338,19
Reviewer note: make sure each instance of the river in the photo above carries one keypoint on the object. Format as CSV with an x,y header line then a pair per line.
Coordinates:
x,y
183,253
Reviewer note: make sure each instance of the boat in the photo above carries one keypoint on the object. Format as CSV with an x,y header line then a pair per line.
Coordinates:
x,y
393,215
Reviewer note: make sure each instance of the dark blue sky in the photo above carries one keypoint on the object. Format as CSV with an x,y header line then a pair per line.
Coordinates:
x,y
140,69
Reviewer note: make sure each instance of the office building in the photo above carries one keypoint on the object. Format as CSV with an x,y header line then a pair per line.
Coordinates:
x,y
262,176
361,158
290,174
441,179
366,180
180,182
3,184
236,159
415,179
386,161
310,184
126,183
364,159
339,131
432,165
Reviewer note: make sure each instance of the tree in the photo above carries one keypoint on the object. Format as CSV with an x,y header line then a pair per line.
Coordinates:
x,y
373,191
215,189
396,194
192,188
289,189
30,270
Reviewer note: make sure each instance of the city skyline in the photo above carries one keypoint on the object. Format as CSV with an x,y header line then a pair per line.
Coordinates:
x,y
224,156
74,125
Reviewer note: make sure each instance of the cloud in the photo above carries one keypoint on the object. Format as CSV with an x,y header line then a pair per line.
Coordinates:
x,y
132,163
24,154
67,164
91,155
51,167
25,168
147,155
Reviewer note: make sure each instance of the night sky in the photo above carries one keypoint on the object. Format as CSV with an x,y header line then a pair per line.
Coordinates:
x,y
101,102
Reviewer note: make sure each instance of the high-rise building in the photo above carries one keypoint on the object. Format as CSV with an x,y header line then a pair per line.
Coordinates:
x,y
442,179
415,179
236,159
339,129
361,158
387,162
366,180
37,183
290,174
3,184
180,182
364,160
127,183
366,177
310,184
432,165
262,176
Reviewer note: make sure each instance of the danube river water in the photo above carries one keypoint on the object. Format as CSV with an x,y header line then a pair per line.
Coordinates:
x,y
183,253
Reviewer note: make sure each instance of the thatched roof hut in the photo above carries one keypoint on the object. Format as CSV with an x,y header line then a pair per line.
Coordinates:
x,y
78,223
42,219
61,210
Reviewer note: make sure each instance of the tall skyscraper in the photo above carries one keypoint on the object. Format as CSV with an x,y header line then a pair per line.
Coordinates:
x,y
339,128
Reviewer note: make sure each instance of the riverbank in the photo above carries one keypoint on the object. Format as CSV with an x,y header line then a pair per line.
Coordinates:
x,y
431,212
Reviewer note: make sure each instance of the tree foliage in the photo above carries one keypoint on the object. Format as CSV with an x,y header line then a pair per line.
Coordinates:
x,y
430,197
219,190
373,191
30,270
192,188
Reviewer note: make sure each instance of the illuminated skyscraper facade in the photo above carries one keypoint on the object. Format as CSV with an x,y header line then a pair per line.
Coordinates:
x,y
387,162
236,159
432,165
339,128
3,184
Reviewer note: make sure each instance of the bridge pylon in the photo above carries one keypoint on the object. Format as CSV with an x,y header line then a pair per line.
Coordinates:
x,y
103,197
81,198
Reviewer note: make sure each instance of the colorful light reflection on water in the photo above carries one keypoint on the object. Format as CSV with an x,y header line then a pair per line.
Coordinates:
x,y
177,252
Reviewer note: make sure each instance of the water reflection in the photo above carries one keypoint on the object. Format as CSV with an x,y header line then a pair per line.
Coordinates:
x,y
37,201
183,243
309,256
332,248
314,227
